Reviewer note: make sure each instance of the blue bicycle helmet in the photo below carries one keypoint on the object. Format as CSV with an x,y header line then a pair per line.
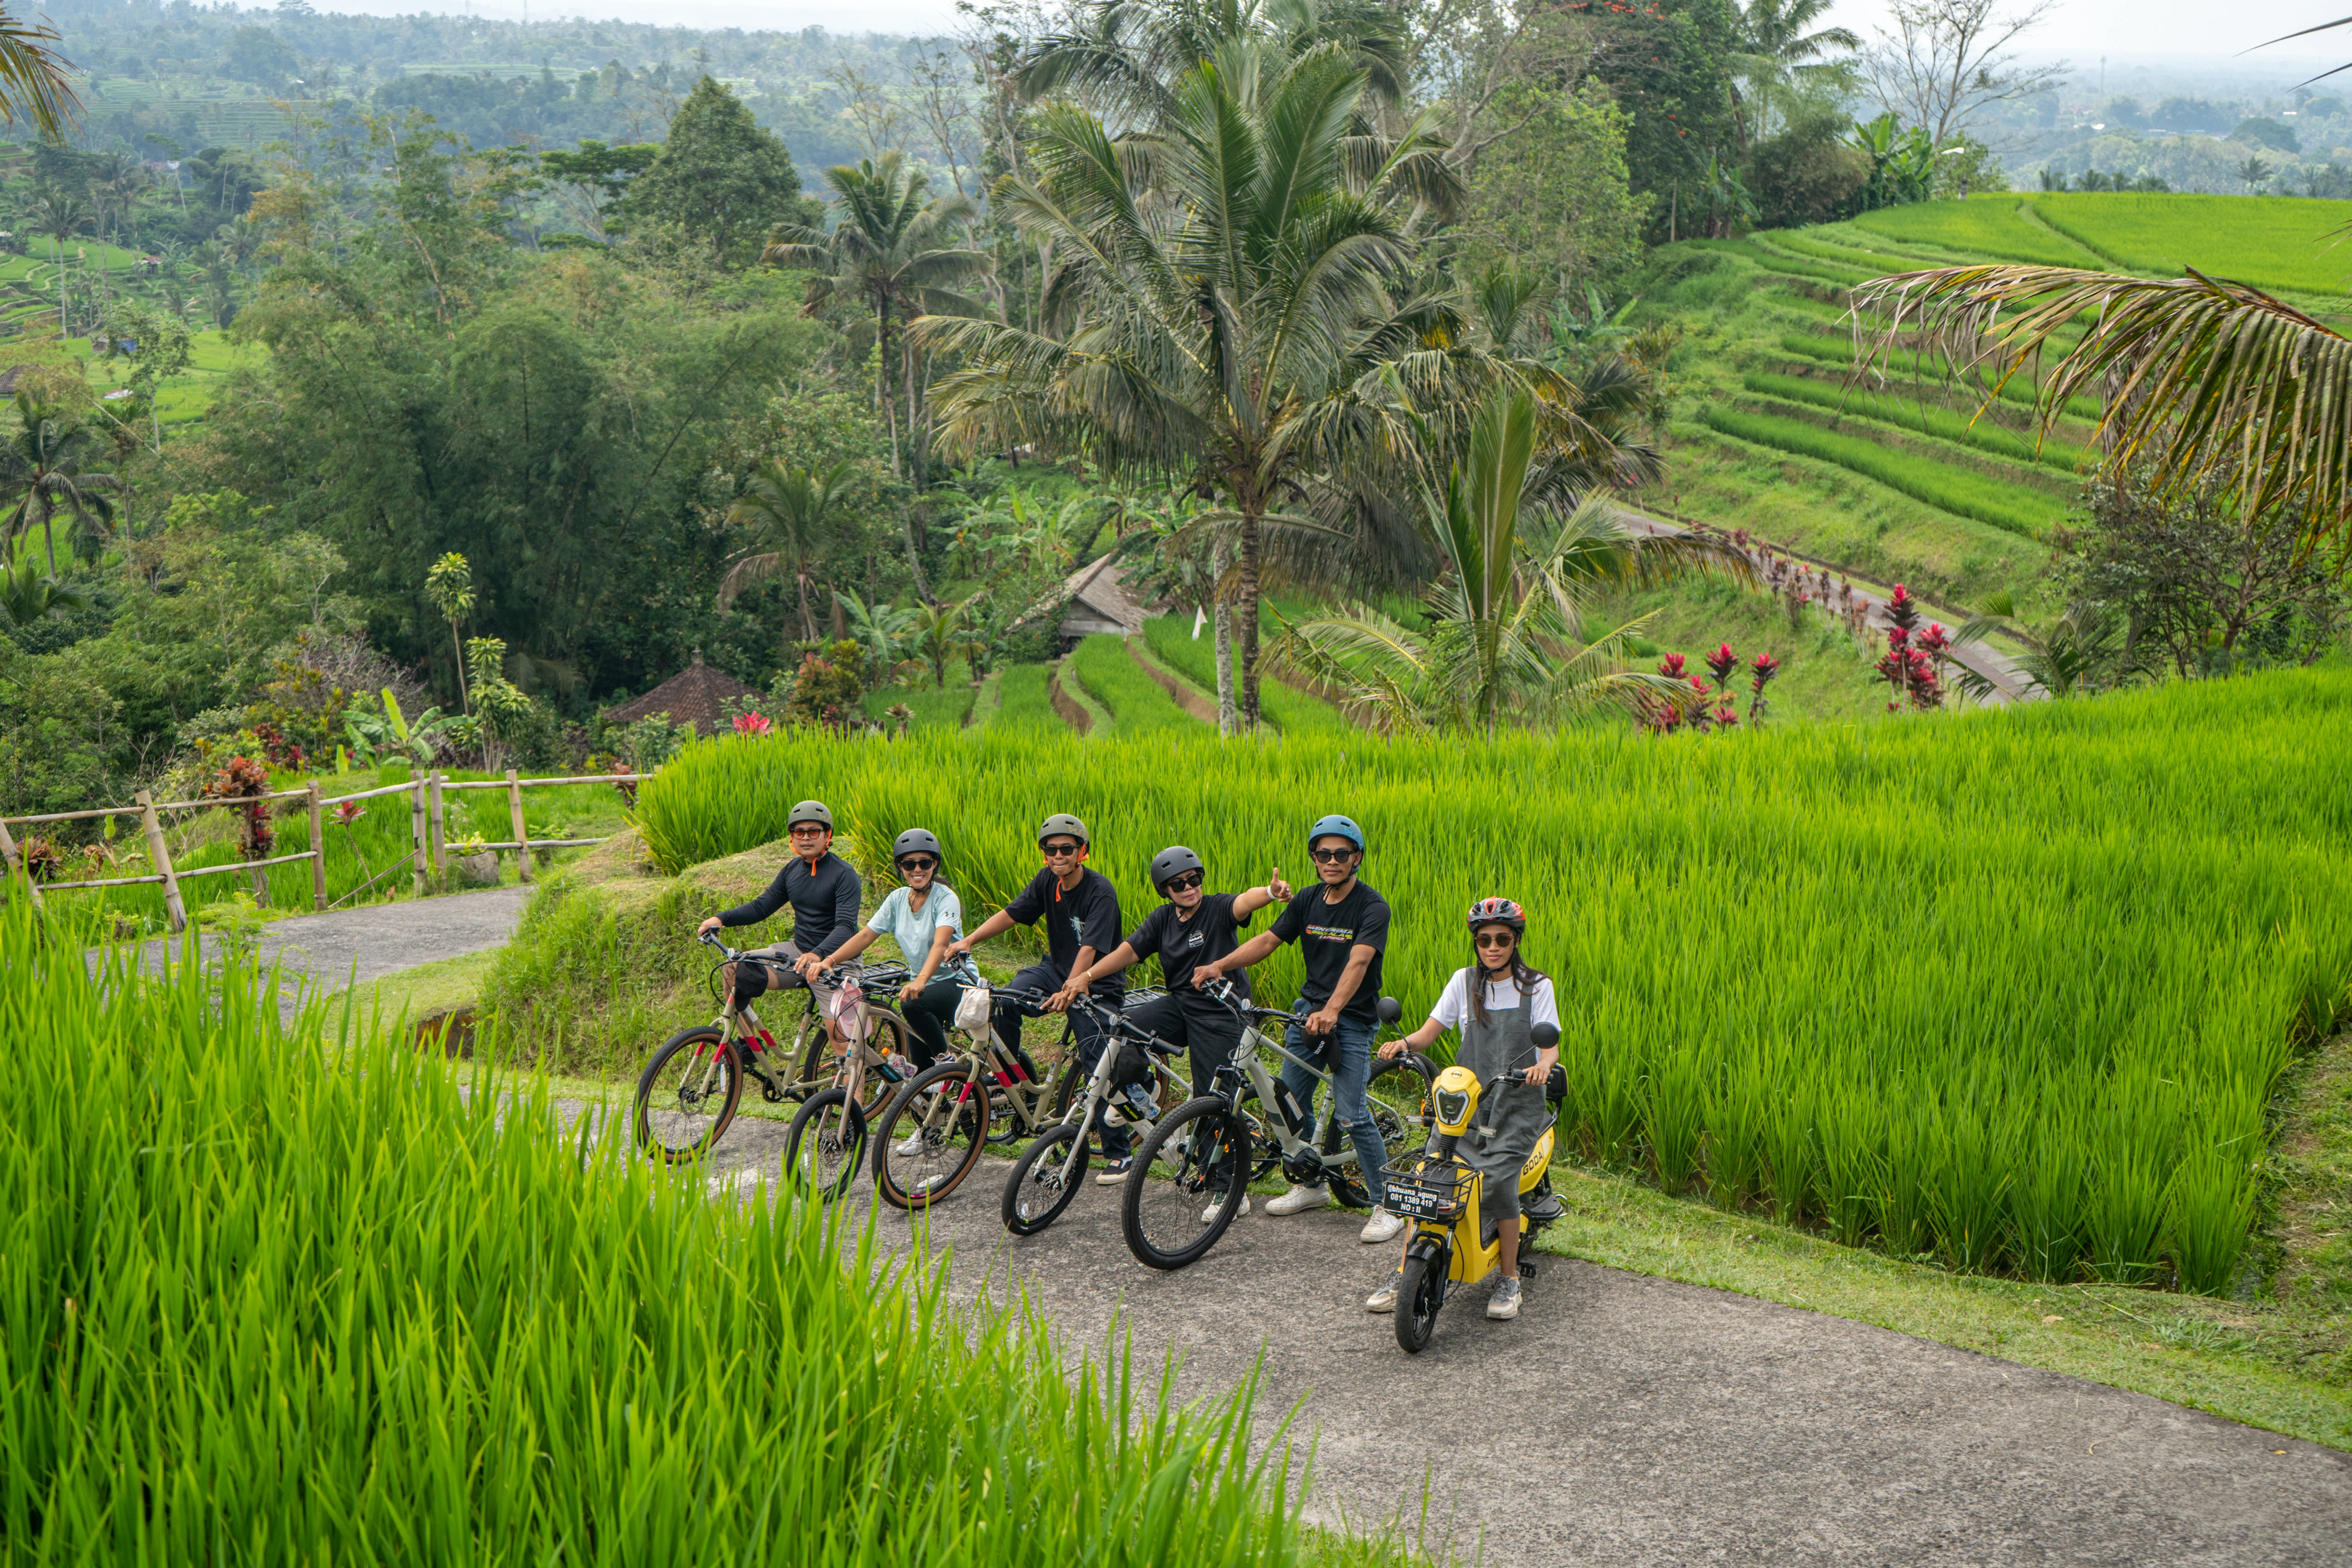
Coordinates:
x,y
1345,826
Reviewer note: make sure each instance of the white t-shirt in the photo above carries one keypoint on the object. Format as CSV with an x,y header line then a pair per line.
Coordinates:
x,y
912,928
1453,1009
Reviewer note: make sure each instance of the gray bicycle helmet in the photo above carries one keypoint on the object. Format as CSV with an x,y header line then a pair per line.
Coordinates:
x,y
914,841
1172,862
811,811
1062,822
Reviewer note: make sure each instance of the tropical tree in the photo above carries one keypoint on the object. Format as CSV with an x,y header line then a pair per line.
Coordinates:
x,y
1509,639
2089,648
33,78
786,507
2202,378
1222,289
892,251
27,594
941,634
1779,55
449,584
59,214
48,462
1126,58
877,629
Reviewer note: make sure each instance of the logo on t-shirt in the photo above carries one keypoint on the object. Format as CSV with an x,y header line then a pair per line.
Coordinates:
x,y
1332,934
1195,939
1077,930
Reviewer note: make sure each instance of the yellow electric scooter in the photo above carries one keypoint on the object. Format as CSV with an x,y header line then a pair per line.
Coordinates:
x,y
1452,1242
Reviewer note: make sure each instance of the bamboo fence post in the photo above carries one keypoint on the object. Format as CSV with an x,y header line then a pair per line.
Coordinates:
x,y
175,911
417,832
14,863
317,847
521,833
440,834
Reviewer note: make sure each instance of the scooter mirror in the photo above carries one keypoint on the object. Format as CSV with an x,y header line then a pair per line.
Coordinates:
x,y
1390,1010
1545,1035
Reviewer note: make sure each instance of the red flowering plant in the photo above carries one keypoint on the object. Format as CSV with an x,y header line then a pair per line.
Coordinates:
x,y
245,779
753,723
1761,670
1721,663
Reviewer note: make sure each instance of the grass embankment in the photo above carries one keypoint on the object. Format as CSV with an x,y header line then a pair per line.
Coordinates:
x,y
1025,699
1137,704
1869,408
338,1304
2010,988
1291,711
2011,507
376,844
934,706
1927,375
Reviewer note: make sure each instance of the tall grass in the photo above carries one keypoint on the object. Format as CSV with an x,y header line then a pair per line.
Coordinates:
x,y
1929,369
281,1300
1957,490
1905,982
1138,705
933,706
1023,701
1994,225
1170,640
1912,415
2273,242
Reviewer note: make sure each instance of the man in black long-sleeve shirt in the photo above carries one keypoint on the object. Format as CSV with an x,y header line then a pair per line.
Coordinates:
x,y
823,890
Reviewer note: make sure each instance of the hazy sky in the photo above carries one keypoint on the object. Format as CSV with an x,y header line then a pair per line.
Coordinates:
x,y
2188,30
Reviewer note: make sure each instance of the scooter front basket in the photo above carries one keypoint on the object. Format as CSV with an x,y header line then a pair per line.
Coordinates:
x,y
1427,1186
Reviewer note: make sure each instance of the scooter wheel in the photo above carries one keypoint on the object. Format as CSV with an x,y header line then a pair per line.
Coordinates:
x,y
1416,1304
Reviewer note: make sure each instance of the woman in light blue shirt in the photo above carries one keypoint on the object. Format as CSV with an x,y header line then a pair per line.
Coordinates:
x,y
923,917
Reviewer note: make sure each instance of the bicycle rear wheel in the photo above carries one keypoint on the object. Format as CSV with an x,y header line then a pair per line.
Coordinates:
x,y
1187,1183
1401,1111
686,1095
931,1136
826,1144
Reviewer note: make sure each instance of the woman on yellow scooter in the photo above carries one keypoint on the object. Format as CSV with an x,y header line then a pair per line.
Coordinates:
x,y
1497,1004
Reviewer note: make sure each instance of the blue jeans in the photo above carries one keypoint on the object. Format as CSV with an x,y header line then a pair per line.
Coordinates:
x,y
1349,1084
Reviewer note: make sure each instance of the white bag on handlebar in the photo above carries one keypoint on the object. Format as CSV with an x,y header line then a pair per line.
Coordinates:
x,y
972,1009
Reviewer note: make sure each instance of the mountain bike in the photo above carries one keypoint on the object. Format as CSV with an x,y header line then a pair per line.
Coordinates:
x,y
827,1143
1199,1159
693,1084
931,1136
1046,1178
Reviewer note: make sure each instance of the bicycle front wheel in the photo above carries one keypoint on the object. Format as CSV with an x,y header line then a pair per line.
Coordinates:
x,y
826,1144
1045,1180
931,1136
1187,1184
686,1095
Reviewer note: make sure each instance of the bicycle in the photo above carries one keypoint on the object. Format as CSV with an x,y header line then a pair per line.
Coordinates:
x,y
827,1143
1046,1178
692,1085
931,1136
1199,1159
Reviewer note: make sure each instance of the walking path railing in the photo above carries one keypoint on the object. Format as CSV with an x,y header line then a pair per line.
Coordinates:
x,y
427,856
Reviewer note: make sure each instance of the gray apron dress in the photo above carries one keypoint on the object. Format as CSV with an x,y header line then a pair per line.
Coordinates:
x,y
1516,1111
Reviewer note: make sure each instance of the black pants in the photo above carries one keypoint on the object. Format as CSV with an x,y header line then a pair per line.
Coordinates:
x,y
1048,977
1205,1031
927,1014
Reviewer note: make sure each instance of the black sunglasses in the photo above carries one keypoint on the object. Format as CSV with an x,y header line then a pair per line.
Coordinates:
x,y
1183,881
1494,938
917,863
1059,848
1330,857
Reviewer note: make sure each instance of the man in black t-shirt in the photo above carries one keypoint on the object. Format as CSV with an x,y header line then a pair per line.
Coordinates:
x,y
1342,927
823,890
1080,909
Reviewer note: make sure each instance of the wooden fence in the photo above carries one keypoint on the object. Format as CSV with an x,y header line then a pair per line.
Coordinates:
x,y
427,855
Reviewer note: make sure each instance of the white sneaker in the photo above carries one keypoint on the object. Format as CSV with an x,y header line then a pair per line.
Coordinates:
x,y
1384,1298
911,1148
1504,1303
1209,1215
1298,1200
1380,1225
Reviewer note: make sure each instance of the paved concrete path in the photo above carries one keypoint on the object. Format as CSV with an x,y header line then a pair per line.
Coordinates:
x,y
343,947
1624,1419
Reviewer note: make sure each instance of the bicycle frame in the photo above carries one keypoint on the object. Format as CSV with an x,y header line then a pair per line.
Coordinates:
x,y
1293,1135
1115,1025
741,1024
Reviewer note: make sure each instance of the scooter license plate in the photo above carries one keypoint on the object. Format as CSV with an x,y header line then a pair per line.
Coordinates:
x,y
1419,1202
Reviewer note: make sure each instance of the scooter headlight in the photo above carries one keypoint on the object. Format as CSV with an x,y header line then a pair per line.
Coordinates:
x,y
1453,1107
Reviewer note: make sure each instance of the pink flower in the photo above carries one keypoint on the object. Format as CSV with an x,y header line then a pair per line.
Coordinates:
x,y
1721,661
752,724
1671,667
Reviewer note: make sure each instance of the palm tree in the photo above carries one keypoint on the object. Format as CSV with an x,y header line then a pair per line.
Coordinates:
x,y
1220,290
33,78
2204,380
46,460
1126,56
27,595
59,214
787,506
890,253
877,628
1508,638
941,634
1777,51
2088,649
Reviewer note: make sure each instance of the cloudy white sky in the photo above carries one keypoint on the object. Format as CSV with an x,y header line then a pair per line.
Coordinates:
x,y
2187,31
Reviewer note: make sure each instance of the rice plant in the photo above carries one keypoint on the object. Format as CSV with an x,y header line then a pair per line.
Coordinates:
x,y
1956,491
1984,948
1023,701
1292,712
1911,414
291,1293
1138,705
